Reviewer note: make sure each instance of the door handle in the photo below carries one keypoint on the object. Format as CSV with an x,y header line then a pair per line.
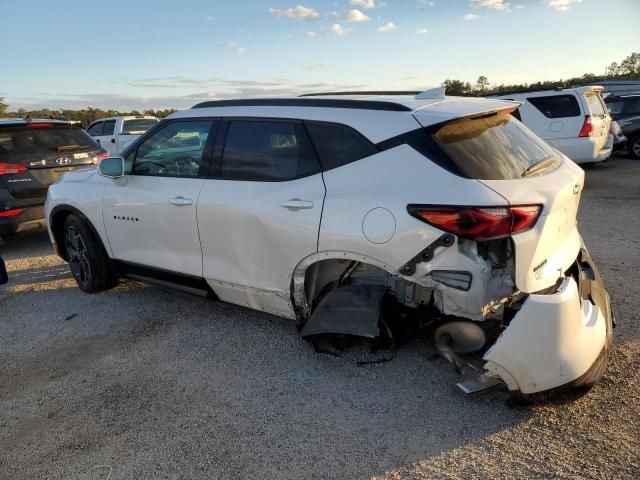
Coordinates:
x,y
180,201
113,140
297,204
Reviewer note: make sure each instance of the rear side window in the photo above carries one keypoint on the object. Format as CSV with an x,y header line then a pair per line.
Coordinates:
x,y
495,147
595,104
43,140
339,145
109,126
631,105
137,126
267,151
556,106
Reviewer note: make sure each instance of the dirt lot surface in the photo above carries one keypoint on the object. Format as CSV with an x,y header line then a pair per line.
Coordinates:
x,y
140,382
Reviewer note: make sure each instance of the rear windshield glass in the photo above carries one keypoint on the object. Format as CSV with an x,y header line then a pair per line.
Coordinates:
x,y
43,140
556,106
495,147
137,127
595,104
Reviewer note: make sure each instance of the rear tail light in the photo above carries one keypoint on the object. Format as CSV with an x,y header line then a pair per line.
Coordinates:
x,y
11,169
479,223
100,156
11,213
587,127
39,125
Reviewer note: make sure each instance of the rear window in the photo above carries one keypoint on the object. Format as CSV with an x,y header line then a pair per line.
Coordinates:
x,y
595,104
556,106
137,126
43,140
494,147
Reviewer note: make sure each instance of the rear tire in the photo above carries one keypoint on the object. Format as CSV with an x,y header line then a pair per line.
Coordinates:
x,y
89,263
634,147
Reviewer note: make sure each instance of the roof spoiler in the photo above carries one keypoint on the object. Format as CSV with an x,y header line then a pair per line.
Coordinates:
x,y
432,94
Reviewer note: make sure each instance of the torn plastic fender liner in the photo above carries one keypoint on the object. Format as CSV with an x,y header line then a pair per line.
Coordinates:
x,y
552,341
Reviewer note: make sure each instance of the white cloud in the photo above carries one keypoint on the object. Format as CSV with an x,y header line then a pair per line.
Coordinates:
x,y
333,17
234,47
561,5
387,27
367,3
519,7
422,31
470,16
494,4
312,34
299,12
210,18
339,30
356,16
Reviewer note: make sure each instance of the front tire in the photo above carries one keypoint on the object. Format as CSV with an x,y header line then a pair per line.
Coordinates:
x,y
89,263
634,147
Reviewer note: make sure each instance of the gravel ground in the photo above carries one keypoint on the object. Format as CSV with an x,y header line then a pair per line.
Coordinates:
x,y
140,382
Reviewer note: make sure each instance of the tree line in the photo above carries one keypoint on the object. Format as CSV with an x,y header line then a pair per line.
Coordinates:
x,y
628,69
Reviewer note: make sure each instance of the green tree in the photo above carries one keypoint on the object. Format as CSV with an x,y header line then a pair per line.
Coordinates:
x,y
482,83
3,106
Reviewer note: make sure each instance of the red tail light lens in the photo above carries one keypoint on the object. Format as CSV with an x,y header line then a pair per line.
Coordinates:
x,y
11,213
587,127
101,156
11,169
39,125
479,223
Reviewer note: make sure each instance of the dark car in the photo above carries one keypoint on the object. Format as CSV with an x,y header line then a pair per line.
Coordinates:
x,y
625,109
33,154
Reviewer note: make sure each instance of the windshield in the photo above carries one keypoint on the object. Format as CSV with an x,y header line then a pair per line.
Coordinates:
x,y
495,147
138,126
46,139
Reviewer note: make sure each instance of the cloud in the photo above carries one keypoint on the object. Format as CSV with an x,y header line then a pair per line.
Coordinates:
x,y
356,16
422,31
299,13
333,17
312,34
339,30
234,47
387,27
367,4
561,5
470,16
494,4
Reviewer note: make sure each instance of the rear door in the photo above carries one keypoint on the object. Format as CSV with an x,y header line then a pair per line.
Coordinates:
x,y
260,216
150,217
108,137
560,114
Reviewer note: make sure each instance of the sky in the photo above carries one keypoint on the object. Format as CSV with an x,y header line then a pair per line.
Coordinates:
x,y
134,54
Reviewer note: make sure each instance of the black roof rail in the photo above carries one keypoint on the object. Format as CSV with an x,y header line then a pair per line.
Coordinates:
x,y
364,92
527,90
307,102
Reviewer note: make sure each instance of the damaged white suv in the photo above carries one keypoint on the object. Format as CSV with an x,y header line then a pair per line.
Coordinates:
x,y
323,209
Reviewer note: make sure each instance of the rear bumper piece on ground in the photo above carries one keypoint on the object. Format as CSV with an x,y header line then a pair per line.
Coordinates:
x,y
30,218
557,340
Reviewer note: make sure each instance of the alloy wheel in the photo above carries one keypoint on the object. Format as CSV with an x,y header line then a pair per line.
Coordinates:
x,y
77,253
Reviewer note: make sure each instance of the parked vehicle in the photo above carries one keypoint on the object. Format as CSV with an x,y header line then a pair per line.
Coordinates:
x,y
626,111
327,209
573,120
33,154
116,133
619,139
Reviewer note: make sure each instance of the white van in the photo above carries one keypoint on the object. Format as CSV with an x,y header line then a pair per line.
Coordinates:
x,y
573,120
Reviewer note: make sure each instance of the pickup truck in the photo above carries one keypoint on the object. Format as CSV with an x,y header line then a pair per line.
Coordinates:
x,y
115,133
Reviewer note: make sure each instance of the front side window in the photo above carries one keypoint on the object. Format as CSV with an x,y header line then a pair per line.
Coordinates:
x,y
556,106
631,105
615,107
95,130
339,145
175,150
267,151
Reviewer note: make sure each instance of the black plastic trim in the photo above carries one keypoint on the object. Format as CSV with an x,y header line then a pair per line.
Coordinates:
x,y
365,92
308,102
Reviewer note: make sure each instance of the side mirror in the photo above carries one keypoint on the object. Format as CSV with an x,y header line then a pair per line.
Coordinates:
x,y
111,167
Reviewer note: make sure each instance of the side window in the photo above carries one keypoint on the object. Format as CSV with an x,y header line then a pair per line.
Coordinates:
x,y
516,113
95,130
339,145
267,151
631,105
615,107
556,106
109,126
175,150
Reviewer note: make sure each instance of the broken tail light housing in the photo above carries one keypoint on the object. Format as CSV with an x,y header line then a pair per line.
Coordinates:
x,y
12,169
478,223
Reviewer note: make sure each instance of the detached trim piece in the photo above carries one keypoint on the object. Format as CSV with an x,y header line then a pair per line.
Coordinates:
x,y
307,102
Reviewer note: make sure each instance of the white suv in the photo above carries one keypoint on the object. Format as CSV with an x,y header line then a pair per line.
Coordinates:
x,y
573,120
324,209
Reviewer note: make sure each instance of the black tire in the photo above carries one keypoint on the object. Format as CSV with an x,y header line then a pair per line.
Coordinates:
x,y
89,263
634,147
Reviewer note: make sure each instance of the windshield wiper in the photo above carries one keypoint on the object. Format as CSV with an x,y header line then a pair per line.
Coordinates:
x,y
537,167
70,148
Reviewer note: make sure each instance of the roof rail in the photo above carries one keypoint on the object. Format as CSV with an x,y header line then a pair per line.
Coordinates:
x,y
364,92
527,90
307,102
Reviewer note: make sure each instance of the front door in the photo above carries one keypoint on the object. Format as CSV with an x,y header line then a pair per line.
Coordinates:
x,y
150,215
262,215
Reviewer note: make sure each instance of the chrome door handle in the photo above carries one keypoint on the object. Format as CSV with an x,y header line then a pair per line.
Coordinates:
x,y
180,201
297,204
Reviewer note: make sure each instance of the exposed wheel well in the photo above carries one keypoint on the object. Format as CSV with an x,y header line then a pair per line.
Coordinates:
x,y
56,222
